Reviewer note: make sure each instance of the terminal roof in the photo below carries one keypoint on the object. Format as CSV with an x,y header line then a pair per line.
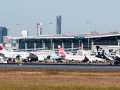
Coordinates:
x,y
70,36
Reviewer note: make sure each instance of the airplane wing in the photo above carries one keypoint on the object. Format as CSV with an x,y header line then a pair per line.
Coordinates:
x,y
108,57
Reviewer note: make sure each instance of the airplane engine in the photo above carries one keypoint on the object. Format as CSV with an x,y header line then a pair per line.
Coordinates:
x,y
2,55
32,57
18,56
40,58
48,57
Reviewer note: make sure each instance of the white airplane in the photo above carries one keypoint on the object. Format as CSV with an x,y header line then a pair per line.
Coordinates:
x,y
20,55
47,55
113,58
70,57
92,58
103,55
2,60
84,58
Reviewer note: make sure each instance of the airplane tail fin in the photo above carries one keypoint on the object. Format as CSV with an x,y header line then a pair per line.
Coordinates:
x,y
102,54
2,49
100,51
61,52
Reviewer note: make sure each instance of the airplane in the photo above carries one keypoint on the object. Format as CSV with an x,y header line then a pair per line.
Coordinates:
x,y
95,59
103,55
84,58
91,58
112,58
2,60
19,55
70,57
47,55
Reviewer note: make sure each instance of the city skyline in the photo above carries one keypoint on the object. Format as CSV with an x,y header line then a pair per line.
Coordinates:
x,y
103,15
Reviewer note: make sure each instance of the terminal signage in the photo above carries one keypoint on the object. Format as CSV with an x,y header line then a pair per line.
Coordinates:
x,y
79,36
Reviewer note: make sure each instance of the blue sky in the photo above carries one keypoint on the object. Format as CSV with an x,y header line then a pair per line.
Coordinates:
x,y
103,15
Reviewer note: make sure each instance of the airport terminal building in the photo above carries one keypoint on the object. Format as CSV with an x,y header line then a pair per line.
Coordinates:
x,y
83,41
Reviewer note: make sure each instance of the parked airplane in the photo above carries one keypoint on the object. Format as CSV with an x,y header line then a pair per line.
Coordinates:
x,y
103,55
95,59
91,58
47,55
113,58
19,55
70,57
2,60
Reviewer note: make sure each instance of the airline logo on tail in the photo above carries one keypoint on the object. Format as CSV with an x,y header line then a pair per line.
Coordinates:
x,y
99,50
61,52
1,48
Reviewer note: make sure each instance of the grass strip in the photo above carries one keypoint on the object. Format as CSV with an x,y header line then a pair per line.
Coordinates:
x,y
36,86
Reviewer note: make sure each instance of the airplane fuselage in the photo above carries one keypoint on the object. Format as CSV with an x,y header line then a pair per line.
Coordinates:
x,y
80,58
46,54
13,55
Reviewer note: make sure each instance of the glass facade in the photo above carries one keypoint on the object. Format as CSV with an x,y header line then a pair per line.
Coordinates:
x,y
76,43
106,41
38,43
21,43
48,44
85,44
30,43
67,44
56,43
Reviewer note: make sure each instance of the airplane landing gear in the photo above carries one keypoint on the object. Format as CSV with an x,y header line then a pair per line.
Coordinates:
x,y
112,63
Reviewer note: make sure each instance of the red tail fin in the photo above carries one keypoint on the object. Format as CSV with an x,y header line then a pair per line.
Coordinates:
x,y
1,48
61,51
85,55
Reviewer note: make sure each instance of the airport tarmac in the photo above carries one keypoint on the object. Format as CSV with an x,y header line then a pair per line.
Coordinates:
x,y
99,67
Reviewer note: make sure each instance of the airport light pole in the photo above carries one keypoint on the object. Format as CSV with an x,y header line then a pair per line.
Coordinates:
x,y
88,34
51,34
18,35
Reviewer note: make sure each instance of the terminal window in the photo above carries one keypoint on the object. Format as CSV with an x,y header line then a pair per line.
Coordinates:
x,y
110,50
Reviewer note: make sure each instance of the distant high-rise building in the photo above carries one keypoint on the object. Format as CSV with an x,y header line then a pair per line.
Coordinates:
x,y
38,29
24,33
58,26
3,32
